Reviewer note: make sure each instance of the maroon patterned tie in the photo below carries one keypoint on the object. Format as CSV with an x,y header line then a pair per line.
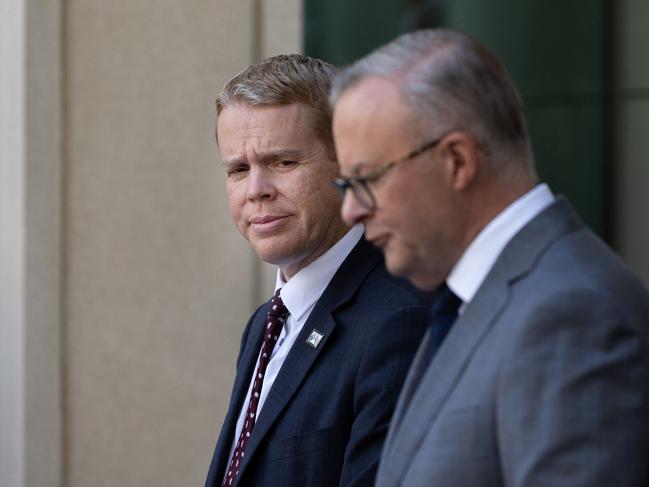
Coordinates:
x,y
274,322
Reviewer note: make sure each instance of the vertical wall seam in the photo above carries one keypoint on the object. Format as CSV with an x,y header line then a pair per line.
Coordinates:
x,y
63,244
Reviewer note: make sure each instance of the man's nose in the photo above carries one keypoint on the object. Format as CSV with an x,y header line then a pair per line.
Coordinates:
x,y
352,211
260,185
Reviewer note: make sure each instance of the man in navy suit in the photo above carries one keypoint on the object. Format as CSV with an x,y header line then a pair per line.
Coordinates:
x,y
311,401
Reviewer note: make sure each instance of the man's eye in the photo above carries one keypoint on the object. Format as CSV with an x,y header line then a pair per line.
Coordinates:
x,y
286,163
237,170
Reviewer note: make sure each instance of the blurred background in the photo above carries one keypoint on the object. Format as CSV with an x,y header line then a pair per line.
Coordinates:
x,y
124,287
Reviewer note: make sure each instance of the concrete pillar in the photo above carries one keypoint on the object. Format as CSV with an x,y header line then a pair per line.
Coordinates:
x,y
124,287
31,450
12,234
159,282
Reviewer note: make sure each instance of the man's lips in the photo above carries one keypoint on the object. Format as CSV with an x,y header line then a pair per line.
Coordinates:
x,y
268,222
378,240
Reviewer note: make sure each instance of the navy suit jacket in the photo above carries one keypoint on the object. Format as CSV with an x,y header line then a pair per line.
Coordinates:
x,y
326,416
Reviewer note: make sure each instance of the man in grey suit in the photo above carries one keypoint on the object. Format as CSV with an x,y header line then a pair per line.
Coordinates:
x,y
543,377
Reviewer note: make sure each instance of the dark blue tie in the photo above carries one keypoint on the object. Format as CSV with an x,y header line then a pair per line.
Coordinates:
x,y
443,313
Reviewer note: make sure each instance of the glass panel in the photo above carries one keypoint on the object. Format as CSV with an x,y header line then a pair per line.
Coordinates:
x,y
555,54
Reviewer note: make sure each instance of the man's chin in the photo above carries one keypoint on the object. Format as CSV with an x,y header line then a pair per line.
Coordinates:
x,y
269,254
396,266
412,272
424,283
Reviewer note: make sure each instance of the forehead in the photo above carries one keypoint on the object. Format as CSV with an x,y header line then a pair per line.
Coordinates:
x,y
264,126
370,95
370,123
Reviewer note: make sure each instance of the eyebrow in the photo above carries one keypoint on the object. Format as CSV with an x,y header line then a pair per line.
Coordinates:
x,y
269,156
363,166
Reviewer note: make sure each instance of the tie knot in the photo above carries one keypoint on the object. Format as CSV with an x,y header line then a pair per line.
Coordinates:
x,y
442,315
446,302
277,309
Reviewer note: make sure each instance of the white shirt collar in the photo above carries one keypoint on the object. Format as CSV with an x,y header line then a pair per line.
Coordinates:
x,y
301,292
477,260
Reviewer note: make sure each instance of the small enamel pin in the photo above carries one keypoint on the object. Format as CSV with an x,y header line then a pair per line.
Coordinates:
x,y
314,338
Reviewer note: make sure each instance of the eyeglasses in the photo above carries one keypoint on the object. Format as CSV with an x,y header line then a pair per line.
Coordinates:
x,y
360,185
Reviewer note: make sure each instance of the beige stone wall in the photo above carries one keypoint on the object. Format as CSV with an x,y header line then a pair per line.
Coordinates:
x,y
30,203
12,235
125,285
44,177
159,284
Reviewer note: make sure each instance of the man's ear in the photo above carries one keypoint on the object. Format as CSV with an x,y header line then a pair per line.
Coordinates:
x,y
461,157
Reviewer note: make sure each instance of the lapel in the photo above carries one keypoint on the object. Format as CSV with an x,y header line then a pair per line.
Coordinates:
x,y
413,377
421,405
248,361
353,271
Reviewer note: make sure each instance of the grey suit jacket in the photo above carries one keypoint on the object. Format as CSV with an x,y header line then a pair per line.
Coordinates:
x,y
542,381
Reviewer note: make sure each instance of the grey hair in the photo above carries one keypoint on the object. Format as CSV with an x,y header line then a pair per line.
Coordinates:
x,y
453,81
282,80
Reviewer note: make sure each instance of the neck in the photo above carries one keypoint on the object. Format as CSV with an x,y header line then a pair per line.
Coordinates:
x,y
289,269
491,201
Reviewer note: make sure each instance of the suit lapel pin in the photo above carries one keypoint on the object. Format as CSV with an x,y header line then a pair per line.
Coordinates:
x,y
314,338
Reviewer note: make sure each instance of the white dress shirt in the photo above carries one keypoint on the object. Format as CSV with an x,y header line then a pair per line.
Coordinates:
x,y
300,295
470,271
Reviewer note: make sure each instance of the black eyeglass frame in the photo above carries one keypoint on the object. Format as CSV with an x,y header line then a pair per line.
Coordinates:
x,y
360,184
